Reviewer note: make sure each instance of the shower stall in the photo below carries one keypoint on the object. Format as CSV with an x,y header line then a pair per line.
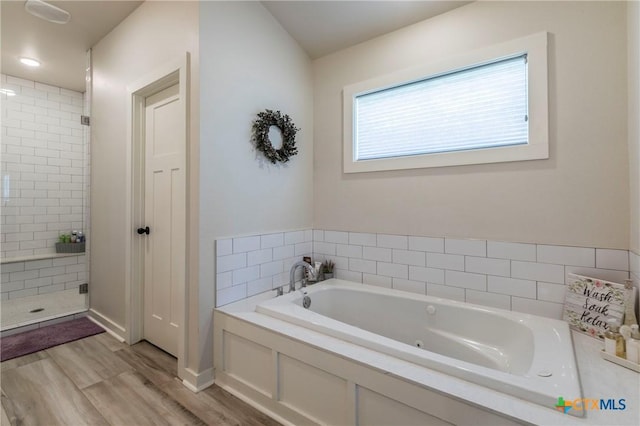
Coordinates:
x,y
44,197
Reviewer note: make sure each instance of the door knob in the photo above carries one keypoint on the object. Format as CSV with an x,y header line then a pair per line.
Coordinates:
x,y
144,230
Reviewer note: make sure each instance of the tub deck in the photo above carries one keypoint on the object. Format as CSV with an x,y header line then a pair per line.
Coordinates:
x,y
599,378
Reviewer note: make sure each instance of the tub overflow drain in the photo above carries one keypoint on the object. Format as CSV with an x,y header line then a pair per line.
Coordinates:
x,y
419,343
431,309
306,302
545,373
33,311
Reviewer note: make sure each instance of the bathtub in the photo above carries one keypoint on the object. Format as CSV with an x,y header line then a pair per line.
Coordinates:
x,y
522,355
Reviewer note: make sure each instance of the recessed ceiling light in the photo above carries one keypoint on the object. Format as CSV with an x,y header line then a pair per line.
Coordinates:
x,y
47,11
30,62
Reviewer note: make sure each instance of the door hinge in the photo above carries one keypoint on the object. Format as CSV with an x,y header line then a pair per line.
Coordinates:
x,y
83,288
85,120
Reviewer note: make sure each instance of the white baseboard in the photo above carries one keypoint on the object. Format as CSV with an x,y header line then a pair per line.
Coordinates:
x,y
193,381
255,405
196,382
111,327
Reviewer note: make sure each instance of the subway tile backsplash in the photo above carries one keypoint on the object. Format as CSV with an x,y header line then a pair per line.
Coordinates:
x,y
575,256
248,265
518,276
523,277
612,259
513,251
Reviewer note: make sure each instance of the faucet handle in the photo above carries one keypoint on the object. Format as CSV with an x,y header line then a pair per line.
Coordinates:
x,y
279,290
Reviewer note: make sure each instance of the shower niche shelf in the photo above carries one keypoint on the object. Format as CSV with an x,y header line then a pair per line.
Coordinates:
x,y
7,260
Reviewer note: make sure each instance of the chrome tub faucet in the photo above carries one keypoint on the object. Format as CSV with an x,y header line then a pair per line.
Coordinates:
x,y
292,274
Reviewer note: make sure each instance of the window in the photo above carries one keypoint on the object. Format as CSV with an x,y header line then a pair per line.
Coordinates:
x,y
483,107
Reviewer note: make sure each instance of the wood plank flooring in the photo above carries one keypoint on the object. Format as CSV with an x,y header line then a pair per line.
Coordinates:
x,y
100,381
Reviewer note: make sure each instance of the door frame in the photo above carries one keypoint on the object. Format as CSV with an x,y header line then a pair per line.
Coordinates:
x,y
173,72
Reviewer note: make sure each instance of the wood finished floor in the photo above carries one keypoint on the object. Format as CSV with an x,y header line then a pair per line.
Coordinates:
x,y
99,381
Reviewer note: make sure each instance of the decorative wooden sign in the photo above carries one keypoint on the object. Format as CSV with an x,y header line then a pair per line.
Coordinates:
x,y
590,302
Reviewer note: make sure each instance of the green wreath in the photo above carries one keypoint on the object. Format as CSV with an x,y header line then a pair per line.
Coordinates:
x,y
261,127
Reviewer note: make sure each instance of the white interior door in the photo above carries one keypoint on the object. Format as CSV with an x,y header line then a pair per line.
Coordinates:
x,y
165,215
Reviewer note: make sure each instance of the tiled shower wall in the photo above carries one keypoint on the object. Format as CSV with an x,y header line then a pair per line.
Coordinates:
x,y
43,166
44,186
30,278
527,278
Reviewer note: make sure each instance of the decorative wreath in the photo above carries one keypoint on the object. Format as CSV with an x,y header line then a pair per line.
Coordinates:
x,y
261,127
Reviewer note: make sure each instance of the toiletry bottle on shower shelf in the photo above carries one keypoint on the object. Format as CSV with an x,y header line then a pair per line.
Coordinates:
x,y
613,340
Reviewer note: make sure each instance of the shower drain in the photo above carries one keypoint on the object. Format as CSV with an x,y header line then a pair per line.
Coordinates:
x,y
33,311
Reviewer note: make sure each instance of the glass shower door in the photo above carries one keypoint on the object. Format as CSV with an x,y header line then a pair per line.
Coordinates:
x,y
44,168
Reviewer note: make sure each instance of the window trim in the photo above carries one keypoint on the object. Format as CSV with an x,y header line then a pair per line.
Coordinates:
x,y
535,46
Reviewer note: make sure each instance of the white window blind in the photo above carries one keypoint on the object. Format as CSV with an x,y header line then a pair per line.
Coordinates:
x,y
478,107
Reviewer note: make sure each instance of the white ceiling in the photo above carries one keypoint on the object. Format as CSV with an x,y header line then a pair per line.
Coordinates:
x,y
320,27
60,48
323,27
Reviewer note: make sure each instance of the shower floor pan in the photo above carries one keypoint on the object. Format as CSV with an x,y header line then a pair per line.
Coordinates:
x,y
43,307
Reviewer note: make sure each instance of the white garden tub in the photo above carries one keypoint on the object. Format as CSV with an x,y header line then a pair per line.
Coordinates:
x,y
522,355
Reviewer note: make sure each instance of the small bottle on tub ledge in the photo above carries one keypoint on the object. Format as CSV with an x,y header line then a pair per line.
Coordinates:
x,y
633,345
613,340
614,345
